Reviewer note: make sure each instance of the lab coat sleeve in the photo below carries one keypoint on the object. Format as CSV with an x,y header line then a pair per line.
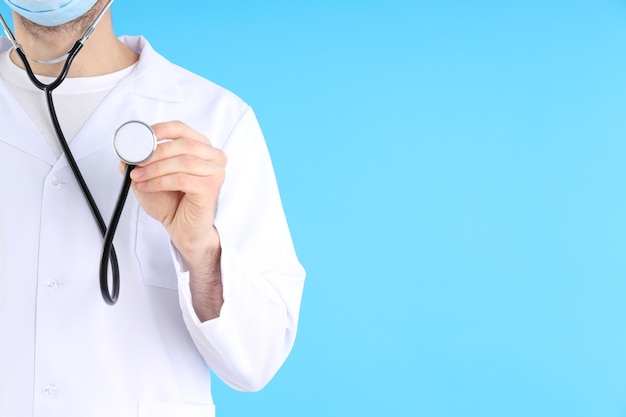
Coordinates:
x,y
261,275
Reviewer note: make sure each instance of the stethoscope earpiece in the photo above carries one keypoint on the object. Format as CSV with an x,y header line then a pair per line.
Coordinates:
x,y
134,142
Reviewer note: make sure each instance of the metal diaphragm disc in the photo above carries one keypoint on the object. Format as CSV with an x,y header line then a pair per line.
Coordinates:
x,y
134,142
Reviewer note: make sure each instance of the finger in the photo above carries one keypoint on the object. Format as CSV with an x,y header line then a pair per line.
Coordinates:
x,y
185,146
183,164
185,183
176,129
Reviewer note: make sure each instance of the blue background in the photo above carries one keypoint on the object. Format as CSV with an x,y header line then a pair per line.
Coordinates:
x,y
453,175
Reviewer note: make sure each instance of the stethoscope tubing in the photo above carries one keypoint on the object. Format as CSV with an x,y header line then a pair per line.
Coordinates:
x,y
109,295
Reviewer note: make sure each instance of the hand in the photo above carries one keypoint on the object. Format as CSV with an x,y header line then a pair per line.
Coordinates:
x,y
179,186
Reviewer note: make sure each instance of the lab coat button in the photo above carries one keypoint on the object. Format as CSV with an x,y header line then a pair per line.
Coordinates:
x,y
49,391
56,183
53,284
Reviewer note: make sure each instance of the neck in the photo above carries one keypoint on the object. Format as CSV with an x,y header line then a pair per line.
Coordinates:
x,y
102,53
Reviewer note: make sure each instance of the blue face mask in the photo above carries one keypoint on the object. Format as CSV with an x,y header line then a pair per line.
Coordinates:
x,y
50,12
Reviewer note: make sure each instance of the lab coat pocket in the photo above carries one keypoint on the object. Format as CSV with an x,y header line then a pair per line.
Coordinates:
x,y
152,248
175,410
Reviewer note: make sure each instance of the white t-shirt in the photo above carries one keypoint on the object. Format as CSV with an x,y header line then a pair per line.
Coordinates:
x,y
74,100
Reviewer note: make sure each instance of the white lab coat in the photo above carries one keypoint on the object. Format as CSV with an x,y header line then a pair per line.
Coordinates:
x,y
63,351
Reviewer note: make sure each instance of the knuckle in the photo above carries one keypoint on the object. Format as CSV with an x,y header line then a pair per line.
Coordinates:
x,y
219,177
178,124
181,181
157,183
192,146
154,170
221,157
159,152
187,162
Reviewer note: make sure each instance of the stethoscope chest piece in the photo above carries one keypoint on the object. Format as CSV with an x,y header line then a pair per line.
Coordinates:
x,y
134,142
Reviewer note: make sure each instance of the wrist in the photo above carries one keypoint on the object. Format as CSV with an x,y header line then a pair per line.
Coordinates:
x,y
205,276
201,257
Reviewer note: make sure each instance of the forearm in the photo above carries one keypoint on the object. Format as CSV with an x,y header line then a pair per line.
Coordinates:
x,y
205,278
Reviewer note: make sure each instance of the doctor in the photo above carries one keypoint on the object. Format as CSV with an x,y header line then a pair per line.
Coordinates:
x,y
209,275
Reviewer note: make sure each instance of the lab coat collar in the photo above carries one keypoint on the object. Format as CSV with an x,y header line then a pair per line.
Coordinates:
x,y
11,110
152,79
148,82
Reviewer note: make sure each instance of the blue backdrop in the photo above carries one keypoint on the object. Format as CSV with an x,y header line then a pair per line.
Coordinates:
x,y
453,175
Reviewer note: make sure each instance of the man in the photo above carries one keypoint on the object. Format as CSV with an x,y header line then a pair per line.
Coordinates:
x,y
208,271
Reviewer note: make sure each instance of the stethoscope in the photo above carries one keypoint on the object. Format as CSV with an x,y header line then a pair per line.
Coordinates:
x,y
134,142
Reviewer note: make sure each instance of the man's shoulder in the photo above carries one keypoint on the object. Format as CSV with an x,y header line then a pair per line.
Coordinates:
x,y
170,80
